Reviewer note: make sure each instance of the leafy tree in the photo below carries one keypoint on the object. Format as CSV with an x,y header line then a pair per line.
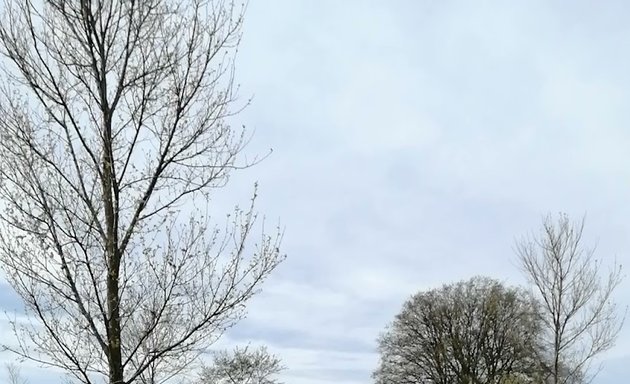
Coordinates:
x,y
471,332
114,137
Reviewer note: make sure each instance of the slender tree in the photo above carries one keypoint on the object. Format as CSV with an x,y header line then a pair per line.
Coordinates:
x,y
579,315
114,134
471,332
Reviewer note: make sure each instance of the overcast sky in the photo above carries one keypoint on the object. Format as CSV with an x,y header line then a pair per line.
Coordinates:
x,y
413,142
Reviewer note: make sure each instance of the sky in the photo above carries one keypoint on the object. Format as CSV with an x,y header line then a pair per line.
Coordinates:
x,y
413,143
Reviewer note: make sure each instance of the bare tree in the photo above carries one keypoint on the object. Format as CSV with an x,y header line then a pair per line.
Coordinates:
x,y
579,314
242,366
14,375
471,332
113,136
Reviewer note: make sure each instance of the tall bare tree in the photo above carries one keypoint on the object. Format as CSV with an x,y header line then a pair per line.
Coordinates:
x,y
579,314
113,137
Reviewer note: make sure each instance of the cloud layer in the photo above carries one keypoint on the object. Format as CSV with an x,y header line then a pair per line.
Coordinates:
x,y
413,142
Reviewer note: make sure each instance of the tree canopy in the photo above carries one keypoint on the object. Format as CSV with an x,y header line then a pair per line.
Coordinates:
x,y
475,331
